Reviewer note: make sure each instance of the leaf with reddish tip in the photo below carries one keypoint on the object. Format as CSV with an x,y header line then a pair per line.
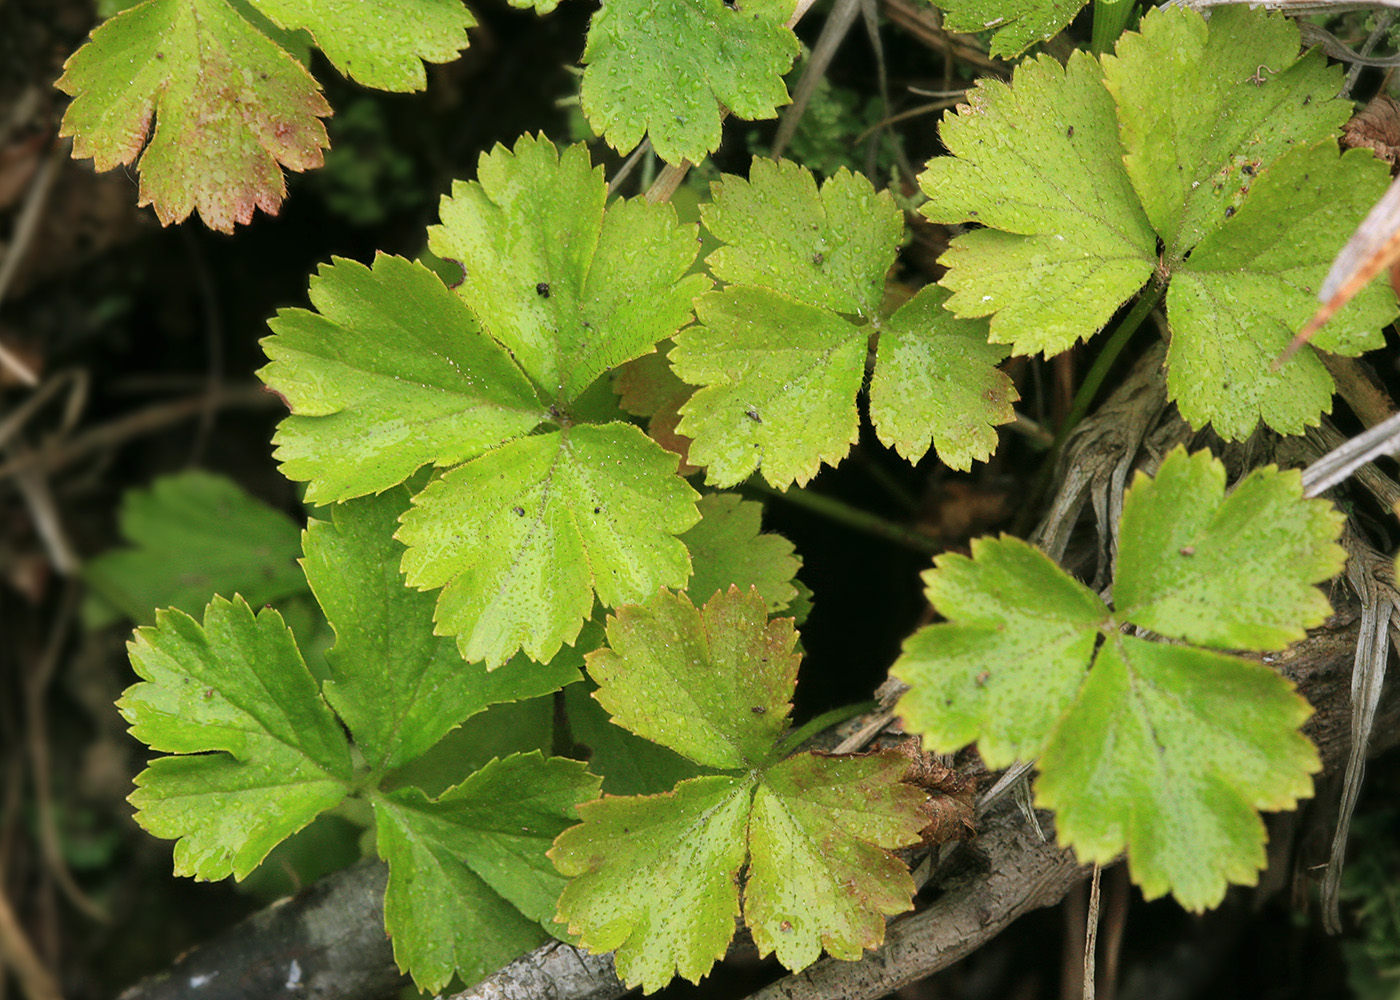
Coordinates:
x,y
231,109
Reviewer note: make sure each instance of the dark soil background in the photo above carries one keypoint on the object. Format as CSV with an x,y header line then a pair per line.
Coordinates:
x,y
148,338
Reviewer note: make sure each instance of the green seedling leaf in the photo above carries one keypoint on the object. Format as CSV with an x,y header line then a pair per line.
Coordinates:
x,y
222,141
816,877
194,535
569,287
674,675
521,538
1079,172
1167,751
664,67
654,878
469,883
268,754
399,687
382,44
1018,28
936,383
780,354
548,500
389,374
657,877
728,548
1039,163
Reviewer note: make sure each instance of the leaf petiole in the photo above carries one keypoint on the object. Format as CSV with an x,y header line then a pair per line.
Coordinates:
x,y
811,727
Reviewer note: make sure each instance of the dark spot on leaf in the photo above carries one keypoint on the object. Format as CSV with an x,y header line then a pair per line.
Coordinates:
x,y
982,678
1188,550
1248,169
785,926
1229,211
818,259
1307,100
542,289
1069,132
597,510
518,511
759,710
752,414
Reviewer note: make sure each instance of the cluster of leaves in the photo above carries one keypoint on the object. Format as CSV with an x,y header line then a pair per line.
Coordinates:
x,y
260,750
226,85
1213,141
1165,748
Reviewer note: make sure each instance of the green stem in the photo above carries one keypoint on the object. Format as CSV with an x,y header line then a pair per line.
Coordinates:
x,y
851,517
1089,390
826,720
1111,17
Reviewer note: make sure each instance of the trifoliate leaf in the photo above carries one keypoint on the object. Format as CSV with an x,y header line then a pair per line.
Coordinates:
x,y
1040,164
570,288
780,380
728,548
194,535
521,538
469,882
936,383
712,684
655,877
389,375
1018,26
382,44
398,686
664,67
1243,186
1233,571
820,876
1166,751
1007,663
271,755
1236,303
1195,140
232,108
1170,751
828,248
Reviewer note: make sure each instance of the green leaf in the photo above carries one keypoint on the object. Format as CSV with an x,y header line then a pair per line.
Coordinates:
x,y
1194,140
1169,752
655,877
1236,571
271,755
569,287
664,67
728,548
469,882
383,44
828,248
399,687
1010,658
936,383
820,874
1164,750
1039,162
521,538
712,684
781,353
629,764
1017,27
194,535
1226,143
389,375
780,380
221,141
647,387
1250,285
